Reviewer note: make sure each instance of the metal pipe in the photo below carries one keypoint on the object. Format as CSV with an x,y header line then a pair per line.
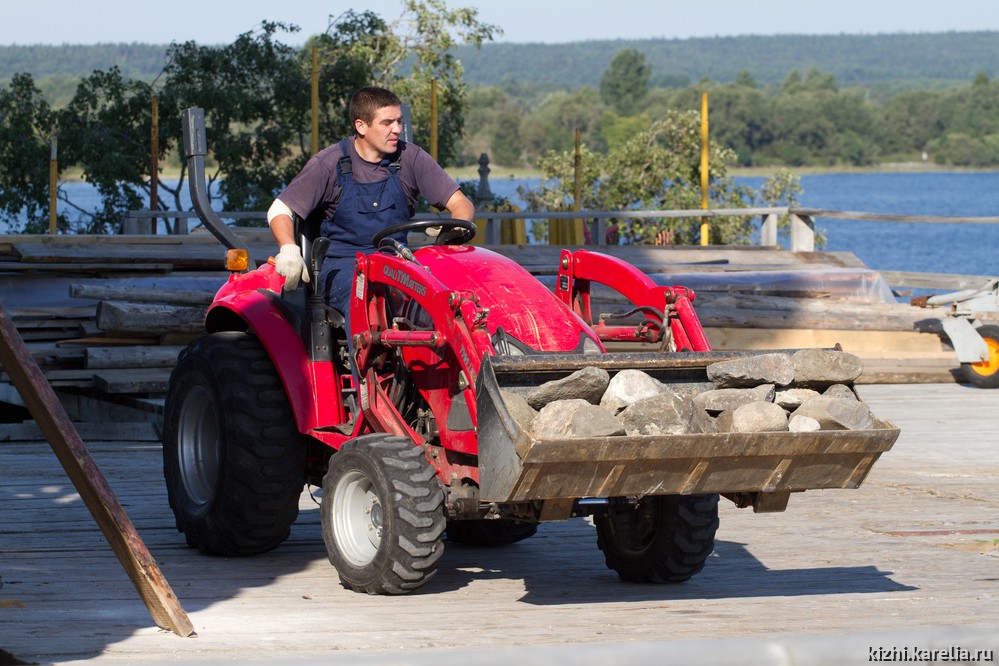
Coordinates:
x,y
195,149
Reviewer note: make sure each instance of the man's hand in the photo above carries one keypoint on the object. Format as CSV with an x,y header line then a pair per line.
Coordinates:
x,y
291,265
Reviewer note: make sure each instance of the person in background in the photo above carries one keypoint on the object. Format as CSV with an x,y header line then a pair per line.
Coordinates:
x,y
355,188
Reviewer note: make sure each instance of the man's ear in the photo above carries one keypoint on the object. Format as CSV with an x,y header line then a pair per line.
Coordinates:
x,y
360,127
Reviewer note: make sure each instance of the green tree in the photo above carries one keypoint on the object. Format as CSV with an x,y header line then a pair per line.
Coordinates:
x,y
255,96
658,168
552,125
492,124
625,82
425,37
908,121
26,124
105,131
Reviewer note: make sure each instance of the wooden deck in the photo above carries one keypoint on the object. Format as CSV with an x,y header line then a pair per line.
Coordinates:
x,y
916,549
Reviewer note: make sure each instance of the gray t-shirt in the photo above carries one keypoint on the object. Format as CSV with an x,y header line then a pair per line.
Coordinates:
x,y
315,193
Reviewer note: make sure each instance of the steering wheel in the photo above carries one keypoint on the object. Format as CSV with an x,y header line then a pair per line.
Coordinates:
x,y
453,232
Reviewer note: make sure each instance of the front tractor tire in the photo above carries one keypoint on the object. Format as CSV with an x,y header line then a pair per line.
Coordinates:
x,y
383,515
985,374
659,540
233,458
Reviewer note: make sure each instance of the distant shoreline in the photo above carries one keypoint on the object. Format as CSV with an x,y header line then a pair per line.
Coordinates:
x,y
498,172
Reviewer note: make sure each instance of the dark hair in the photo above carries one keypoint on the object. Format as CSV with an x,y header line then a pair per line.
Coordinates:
x,y
366,101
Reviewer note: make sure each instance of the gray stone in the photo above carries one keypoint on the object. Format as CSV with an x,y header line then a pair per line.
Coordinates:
x,y
663,414
822,367
791,398
628,386
720,400
799,423
587,384
701,421
837,414
758,417
773,368
568,419
841,391
519,409
723,422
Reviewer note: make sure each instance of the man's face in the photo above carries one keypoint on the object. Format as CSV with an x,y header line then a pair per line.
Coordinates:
x,y
382,135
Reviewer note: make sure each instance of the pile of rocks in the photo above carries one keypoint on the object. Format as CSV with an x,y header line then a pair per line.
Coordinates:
x,y
808,390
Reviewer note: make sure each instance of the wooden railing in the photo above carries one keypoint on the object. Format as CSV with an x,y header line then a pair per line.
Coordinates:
x,y
801,220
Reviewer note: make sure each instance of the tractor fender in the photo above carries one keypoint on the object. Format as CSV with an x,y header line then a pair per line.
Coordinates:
x,y
257,310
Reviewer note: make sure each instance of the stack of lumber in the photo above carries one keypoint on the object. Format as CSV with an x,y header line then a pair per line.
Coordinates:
x,y
767,298
105,316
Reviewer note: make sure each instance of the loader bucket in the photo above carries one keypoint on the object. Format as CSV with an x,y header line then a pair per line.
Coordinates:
x,y
515,466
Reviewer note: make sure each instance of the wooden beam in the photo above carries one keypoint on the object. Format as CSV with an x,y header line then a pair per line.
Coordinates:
x,y
72,453
141,295
139,356
126,317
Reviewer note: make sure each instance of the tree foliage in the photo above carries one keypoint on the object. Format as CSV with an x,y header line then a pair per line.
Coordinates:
x,y
256,96
658,168
26,124
625,82
808,120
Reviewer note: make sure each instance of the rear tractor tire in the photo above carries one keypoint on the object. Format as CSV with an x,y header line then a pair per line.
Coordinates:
x,y
661,539
233,458
985,374
383,515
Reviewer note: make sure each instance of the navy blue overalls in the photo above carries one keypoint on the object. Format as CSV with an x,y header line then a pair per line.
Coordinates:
x,y
364,209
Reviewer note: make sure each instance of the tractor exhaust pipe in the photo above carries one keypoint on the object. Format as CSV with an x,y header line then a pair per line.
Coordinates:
x,y
195,149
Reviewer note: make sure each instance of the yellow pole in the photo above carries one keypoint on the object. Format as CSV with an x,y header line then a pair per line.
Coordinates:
x,y
154,164
53,181
705,228
433,118
315,100
575,235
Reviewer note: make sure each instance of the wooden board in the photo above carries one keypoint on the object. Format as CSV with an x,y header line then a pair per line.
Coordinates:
x,y
911,554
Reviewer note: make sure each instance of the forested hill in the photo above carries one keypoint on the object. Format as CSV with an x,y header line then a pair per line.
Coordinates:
x,y
136,61
890,60
900,60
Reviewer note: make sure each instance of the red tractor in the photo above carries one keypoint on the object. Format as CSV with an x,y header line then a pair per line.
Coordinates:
x,y
408,431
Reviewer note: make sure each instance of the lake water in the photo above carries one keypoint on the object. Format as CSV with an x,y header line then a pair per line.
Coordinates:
x,y
968,249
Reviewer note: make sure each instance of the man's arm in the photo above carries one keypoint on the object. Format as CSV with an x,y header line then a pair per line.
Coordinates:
x,y
460,207
289,261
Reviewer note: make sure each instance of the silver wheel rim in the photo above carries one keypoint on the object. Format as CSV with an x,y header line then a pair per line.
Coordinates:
x,y
199,449
357,518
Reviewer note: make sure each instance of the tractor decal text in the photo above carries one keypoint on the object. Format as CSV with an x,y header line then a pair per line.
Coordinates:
x,y
405,279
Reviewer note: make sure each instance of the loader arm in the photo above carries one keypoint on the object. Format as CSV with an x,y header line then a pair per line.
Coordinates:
x,y
669,311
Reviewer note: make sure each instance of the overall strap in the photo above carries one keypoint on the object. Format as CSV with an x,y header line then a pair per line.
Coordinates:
x,y
396,162
343,165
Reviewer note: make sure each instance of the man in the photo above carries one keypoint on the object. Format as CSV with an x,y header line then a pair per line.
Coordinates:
x,y
355,188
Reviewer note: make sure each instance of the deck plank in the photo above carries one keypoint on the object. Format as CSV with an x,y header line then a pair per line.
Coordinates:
x,y
915,547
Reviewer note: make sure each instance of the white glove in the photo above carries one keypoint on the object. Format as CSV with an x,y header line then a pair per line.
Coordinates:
x,y
291,265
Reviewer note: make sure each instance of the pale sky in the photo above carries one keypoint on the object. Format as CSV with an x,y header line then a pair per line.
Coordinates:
x,y
550,21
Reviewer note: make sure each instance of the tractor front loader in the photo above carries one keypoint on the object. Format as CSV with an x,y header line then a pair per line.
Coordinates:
x,y
409,413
